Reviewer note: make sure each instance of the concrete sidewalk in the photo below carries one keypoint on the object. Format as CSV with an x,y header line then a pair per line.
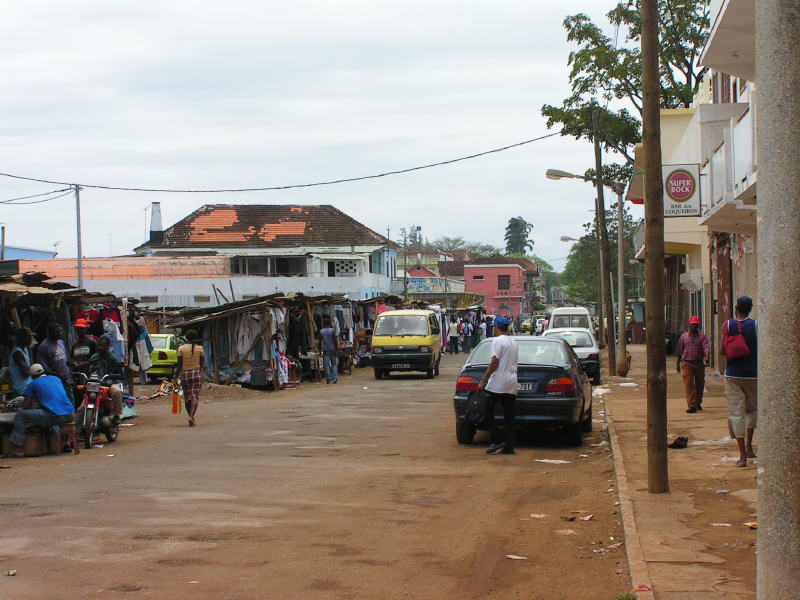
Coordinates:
x,y
691,543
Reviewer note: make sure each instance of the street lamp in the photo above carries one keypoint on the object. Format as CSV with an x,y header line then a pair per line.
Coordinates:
x,y
566,238
619,189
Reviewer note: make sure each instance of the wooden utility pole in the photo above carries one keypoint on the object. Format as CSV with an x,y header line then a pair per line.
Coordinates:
x,y
657,466
622,360
605,289
602,327
80,241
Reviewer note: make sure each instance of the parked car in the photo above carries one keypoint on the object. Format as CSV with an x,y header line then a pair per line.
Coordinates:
x,y
525,326
585,346
406,340
164,354
553,390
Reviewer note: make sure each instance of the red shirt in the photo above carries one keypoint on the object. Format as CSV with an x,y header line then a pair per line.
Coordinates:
x,y
692,347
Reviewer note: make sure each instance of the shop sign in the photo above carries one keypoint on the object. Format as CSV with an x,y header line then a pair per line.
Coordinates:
x,y
681,190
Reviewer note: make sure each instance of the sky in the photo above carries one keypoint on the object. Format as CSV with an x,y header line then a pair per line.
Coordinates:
x,y
246,93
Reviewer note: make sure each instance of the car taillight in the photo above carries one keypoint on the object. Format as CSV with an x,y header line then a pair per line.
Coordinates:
x,y
593,356
466,384
560,385
162,355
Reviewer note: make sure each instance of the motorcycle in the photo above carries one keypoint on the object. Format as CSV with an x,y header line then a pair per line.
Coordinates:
x,y
98,409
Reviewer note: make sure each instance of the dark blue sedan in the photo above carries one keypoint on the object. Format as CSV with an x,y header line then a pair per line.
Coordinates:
x,y
553,389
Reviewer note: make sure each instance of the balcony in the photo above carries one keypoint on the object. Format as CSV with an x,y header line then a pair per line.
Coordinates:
x,y
731,45
728,180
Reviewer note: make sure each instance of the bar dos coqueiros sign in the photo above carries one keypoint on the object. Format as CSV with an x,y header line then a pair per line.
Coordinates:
x,y
681,190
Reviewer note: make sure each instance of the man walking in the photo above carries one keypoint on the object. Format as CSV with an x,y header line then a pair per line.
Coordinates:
x,y
466,331
692,353
329,347
452,336
741,380
500,382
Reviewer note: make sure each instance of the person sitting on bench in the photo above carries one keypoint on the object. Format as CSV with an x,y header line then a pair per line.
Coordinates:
x,y
55,408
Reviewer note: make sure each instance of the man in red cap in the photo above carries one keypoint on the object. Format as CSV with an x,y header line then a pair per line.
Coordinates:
x,y
691,356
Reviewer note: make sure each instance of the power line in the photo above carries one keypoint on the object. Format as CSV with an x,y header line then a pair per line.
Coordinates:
x,y
68,193
33,196
283,187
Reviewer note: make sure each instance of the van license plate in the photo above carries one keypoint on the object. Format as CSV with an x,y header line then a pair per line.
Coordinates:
x,y
401,366
524,387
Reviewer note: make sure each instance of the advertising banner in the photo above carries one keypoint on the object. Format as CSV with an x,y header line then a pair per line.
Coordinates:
x,y
681,190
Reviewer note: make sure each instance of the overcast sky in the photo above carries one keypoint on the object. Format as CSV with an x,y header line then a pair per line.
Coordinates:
x,y
258,93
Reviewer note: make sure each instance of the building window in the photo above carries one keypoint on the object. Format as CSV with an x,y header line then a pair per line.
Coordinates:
x,y
331,268
149,299
369,266
477,278
202,299
504,282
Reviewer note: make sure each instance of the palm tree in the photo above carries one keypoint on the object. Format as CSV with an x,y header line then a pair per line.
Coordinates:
x,y
517,231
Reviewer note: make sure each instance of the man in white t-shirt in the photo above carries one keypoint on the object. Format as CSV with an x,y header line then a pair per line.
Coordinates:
x,y
500,382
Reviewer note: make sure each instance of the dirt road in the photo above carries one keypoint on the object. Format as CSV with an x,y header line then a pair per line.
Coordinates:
x,y
354,490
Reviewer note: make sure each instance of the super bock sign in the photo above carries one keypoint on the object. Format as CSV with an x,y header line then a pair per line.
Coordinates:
x,y
681,190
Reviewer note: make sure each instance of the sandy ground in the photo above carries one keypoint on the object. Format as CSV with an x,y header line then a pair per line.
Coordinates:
x,y
354,490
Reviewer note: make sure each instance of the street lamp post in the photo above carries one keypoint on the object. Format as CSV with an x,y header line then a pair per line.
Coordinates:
x,y
621,366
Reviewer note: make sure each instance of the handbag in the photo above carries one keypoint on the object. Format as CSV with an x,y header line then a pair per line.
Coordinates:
x,y
734,345
477,407
177,401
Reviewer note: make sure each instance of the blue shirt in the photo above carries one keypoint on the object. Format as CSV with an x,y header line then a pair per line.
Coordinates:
x,y
49,393
747,367
328,339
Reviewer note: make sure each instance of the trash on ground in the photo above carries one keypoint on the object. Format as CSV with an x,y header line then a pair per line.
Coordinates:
x,y
194,582
751,524
610,490
601,443
600,391
110,455
365,388
568,518
721,492
587,518
712,442
721,525
583,456
642,588
516,557
565,532
537,516
11,572
99,445
680,442
627,385
551,461
127,424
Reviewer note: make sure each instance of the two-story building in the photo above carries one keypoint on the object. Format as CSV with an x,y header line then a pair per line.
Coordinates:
x,y
505,283
225,252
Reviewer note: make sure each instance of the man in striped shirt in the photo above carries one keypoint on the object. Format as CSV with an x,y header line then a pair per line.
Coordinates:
x,y
691,353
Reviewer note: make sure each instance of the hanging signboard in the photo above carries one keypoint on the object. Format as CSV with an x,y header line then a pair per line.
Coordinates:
x,y
681,190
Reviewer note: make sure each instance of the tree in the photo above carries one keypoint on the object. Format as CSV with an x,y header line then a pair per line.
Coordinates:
x,y
516,237
476,249
601,71
411,237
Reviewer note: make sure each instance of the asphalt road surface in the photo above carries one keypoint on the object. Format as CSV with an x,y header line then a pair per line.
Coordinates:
x,y
354,490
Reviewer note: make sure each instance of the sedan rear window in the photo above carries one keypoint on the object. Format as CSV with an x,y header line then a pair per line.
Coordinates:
x,y
531,352
159,343
576,339
402,325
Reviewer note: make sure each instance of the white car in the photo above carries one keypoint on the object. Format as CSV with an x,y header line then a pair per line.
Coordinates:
x,y
537,328
585,346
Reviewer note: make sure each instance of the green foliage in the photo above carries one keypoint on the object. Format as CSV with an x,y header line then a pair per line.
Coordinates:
x,y
517,232
476,249
602,70
410,236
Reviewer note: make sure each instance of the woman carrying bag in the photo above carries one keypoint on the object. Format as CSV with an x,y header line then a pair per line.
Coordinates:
x,y
190,363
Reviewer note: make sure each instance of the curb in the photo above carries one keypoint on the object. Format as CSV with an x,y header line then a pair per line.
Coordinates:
x,y
637,566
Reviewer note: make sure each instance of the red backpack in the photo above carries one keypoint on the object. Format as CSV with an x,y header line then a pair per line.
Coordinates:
x,y
734,345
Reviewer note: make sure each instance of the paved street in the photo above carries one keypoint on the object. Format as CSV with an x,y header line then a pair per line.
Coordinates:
x,y
357,490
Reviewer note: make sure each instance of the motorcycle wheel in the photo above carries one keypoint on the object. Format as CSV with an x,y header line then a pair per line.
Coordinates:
x,y
88,428
112,431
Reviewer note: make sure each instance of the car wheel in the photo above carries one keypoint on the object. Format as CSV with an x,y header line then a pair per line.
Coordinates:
x,y
587,422
465,433
430,372
378,373
596,378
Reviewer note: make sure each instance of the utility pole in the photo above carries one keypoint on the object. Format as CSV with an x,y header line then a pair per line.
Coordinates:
x,y
604,249
777,33
80,242
657,466
602,341
405,266
622,360
3,243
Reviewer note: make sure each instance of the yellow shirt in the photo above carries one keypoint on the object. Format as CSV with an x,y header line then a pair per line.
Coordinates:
x,y
191,361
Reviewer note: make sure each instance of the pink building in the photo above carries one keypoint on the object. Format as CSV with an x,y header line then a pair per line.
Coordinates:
x,y
501,281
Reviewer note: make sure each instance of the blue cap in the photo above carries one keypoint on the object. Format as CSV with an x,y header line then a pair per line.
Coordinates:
x,y
501,322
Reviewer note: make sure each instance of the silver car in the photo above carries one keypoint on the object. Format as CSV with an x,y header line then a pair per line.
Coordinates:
x,y
585,346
